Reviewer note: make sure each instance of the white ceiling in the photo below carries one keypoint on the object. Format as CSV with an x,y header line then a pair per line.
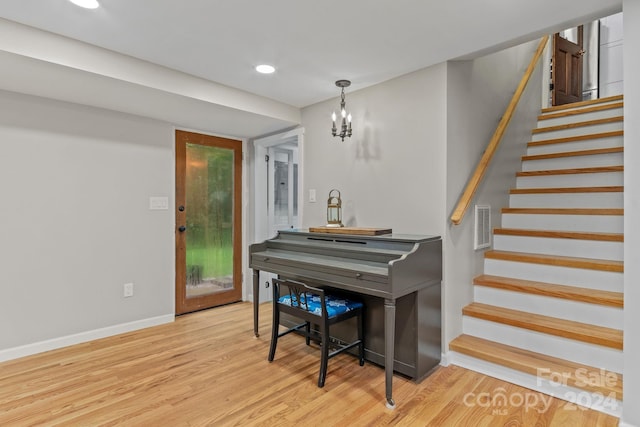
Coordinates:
x,y
312,43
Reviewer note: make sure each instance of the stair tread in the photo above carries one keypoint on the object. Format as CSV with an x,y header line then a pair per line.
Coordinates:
x,y
584,332
592,152
564,211
577,111
538,364
597,169
583,103
557,260
573,293
578,124
578,235
550,190
576,138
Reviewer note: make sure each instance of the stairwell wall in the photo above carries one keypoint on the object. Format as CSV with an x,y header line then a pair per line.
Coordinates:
x,y
478,92
631,410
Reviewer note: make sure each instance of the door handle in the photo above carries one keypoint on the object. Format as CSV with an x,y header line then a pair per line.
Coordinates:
x,y
182,228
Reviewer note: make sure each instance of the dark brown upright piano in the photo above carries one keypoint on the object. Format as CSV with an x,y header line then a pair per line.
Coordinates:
x,y
397,276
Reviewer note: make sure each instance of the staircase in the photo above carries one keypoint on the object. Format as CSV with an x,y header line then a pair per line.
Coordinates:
x,y
548,311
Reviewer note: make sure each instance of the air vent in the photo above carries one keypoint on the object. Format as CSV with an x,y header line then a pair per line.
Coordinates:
x,y
482,236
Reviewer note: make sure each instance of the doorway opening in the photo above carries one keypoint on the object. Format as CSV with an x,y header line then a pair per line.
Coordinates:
x,y
586,62
277,187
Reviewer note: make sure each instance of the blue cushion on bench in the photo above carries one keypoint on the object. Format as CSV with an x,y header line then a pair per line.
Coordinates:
x,y
335,305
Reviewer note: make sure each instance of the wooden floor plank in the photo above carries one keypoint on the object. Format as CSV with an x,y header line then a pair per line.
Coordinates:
x,y
207,368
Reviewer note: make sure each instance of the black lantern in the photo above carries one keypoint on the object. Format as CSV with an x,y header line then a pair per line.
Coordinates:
x,y
334,210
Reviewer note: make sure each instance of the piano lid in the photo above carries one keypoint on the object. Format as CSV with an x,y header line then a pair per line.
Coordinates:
x,y
408,238
387,266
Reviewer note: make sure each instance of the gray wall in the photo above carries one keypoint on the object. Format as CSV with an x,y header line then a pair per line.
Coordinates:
x,y
416,141
391,172
631,411
75,183
478,93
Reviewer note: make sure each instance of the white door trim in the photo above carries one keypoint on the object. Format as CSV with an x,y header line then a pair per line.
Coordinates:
x,y
260,187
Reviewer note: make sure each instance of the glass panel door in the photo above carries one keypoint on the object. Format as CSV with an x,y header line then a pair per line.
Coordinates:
x,y
208,257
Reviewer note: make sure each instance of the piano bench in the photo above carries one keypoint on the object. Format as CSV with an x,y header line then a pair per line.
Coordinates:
x,y
314,305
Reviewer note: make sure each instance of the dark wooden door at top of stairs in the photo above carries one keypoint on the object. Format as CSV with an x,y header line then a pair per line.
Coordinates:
x,y
567,69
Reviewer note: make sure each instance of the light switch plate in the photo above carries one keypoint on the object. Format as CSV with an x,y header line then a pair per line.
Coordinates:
x,y
128,290
312,196
158,203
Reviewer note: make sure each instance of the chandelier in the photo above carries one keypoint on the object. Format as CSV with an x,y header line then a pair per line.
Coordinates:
x,y
345,127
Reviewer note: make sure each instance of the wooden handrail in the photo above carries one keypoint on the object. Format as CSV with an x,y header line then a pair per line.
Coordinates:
x,y
483,165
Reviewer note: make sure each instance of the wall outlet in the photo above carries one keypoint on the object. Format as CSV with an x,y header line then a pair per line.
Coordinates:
x,y
128,290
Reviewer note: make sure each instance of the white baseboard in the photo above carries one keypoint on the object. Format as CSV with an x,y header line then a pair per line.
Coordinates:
x,y
444,359
55,343
574,396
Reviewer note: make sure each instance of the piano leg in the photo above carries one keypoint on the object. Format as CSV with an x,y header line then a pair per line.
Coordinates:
x,y
256,300
389,339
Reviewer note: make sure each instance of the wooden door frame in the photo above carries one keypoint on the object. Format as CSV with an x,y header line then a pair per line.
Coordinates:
x,y
183,304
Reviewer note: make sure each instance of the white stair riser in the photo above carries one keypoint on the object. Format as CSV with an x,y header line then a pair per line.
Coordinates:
x,y
572,107
610,317
574,162
568,349
595,223
561,247
583,117
599,179
588,144
580,130
567,200
580,277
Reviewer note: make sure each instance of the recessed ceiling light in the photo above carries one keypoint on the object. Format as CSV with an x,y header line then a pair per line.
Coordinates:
x,y
87,4
265,69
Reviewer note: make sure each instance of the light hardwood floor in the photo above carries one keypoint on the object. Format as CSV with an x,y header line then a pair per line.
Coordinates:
x,y
207,369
